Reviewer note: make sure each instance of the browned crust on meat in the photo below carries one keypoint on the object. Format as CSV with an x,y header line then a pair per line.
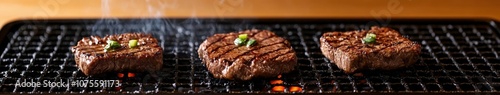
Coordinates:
x,y
391,50
91,58
271,56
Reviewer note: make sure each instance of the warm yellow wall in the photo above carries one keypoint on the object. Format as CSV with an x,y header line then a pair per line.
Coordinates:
x,y
23,9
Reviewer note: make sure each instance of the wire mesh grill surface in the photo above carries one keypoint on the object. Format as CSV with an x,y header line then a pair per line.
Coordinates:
x,y
455,58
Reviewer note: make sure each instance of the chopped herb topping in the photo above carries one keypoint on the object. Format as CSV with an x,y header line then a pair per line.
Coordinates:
x,y
251,42
243,36
243,40
132,43
369,38
111,45
239,41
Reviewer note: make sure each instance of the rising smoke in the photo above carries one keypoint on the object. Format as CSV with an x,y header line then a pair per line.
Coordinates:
x,y
154,21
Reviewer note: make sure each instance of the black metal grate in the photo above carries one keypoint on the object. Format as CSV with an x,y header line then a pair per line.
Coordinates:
x,y
457,57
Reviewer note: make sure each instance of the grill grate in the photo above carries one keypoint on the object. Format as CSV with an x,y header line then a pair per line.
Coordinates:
x,y
456,57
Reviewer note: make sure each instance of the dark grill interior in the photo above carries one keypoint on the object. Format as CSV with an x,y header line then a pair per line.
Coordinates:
x,y
457,56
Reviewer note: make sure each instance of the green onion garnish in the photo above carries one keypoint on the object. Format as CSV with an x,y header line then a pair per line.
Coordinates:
x,y
132,43
243,36
107,48
369,38
239,41
250,42
111,45
242,40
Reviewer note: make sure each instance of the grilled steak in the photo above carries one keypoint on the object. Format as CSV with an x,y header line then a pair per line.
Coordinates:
x,y
390,50
92,59
271,56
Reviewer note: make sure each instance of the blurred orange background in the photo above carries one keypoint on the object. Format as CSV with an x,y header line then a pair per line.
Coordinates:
x,y
47,9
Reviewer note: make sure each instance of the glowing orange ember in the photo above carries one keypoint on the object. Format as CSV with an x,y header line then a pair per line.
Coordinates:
x,y
120,75
276,82
295,89
131,75
278,88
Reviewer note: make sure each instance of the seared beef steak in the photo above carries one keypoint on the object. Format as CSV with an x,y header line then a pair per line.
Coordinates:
x,y
390,50
269,57
92,59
